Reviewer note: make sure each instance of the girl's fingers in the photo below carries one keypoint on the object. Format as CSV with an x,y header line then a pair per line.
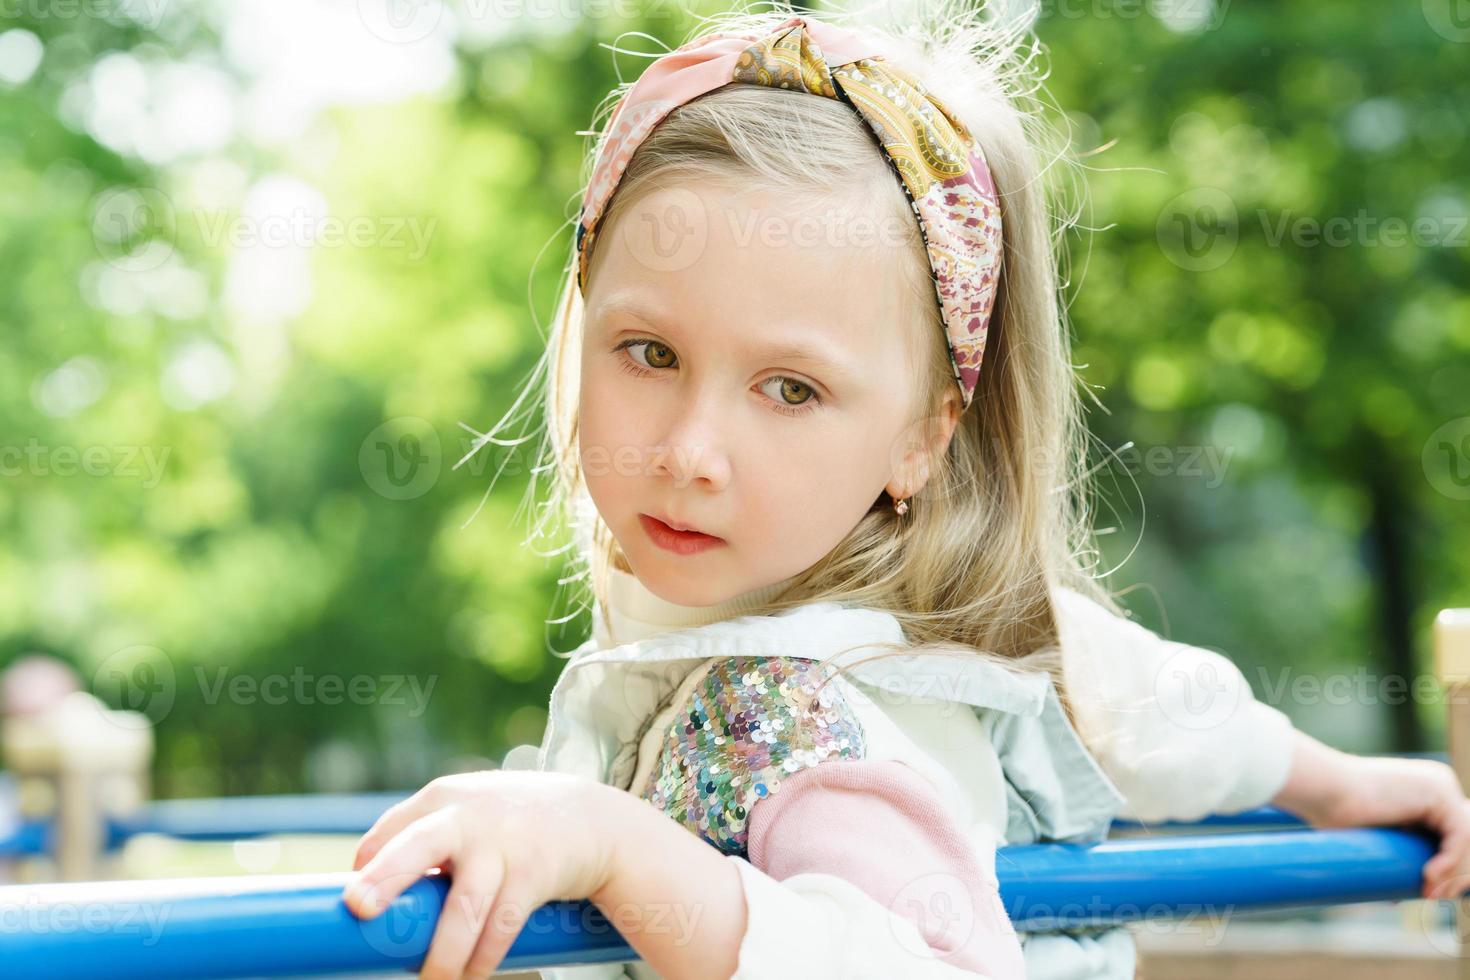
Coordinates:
x,y
1452,876
387,826
1440,870
1442,873
423,844
513,906
397,817
465,915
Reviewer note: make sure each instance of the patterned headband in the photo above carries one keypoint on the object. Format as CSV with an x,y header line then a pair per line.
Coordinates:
x,y
939,165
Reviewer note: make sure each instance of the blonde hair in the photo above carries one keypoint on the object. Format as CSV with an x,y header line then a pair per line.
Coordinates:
x,y
1004,516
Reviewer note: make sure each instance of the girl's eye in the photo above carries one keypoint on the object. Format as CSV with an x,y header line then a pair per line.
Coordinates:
x,y
655,355
792,397
791,393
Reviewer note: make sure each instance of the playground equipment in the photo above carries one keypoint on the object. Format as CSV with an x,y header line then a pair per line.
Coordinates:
x,y
293,925
296,925
75,767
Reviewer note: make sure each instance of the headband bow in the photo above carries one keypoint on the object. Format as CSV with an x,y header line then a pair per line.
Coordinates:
x,y
939,165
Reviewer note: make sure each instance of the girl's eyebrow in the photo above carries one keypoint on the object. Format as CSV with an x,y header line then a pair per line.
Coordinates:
x,y
820,356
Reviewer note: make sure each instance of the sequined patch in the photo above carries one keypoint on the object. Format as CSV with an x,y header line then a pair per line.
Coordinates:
x,y
748,723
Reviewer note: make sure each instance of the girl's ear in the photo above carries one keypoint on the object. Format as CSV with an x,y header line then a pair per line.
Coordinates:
x,y
922,442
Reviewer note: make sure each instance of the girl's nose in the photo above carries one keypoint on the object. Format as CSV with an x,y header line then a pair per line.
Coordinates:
x,y
691,451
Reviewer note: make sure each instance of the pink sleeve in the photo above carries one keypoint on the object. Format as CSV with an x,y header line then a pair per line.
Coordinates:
x,y
882,827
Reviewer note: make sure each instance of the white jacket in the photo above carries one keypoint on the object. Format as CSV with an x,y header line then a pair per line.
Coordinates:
x,y
1170,732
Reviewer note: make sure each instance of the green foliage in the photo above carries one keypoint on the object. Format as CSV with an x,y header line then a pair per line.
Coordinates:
x,y
254,413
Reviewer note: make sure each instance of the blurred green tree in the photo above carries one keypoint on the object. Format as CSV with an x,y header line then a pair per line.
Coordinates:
x,y
243,328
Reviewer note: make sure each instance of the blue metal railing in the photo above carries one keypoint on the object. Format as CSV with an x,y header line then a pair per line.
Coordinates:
x,y
216,819
1265,816
297,924
239,818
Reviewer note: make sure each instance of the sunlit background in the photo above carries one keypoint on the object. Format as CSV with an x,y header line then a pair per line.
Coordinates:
x,y
268,266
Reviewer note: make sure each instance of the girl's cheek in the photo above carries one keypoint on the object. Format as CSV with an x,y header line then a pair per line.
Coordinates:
x,y
606,404
616,436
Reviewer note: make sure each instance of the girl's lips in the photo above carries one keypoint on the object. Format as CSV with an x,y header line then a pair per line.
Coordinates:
x,y
679,542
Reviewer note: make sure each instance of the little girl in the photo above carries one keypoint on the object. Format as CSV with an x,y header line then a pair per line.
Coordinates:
x,y
811,407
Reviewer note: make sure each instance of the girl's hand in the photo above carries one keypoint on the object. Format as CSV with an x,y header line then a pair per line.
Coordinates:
x,y
512,840
1379,791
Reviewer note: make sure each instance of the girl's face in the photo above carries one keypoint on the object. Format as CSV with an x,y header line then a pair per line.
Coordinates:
x,y
748,371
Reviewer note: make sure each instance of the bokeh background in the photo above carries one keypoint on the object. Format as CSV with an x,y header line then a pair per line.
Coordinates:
x,y
269,266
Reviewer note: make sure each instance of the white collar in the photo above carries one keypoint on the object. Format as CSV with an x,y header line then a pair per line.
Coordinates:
x,y
636,613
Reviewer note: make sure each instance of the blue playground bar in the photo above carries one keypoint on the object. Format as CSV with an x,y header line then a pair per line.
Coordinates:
x,y
296,925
